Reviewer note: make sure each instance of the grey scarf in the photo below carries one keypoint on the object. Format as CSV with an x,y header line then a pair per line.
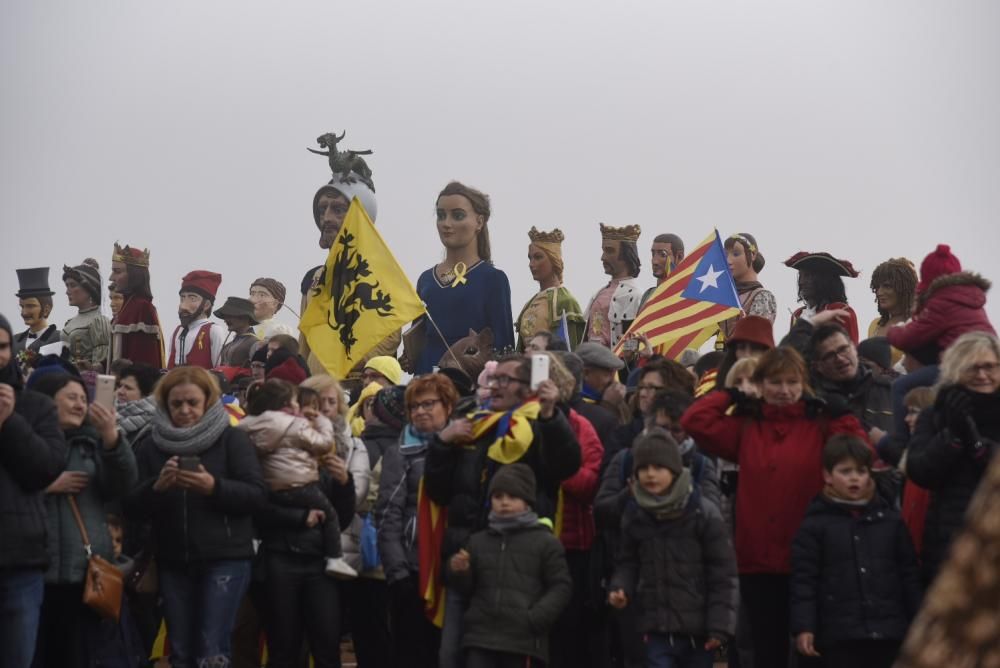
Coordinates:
x,y
192,440
513,522
670,506
134,416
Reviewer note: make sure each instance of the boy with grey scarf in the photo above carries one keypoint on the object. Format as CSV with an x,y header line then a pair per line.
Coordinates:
x,y
675,562
515,576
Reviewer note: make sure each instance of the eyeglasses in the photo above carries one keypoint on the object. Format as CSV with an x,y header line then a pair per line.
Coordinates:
x,y
842,351
989,368
504,381
424,405
646,387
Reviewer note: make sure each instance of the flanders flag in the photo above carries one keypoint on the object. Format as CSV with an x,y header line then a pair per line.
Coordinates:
x,y
364,296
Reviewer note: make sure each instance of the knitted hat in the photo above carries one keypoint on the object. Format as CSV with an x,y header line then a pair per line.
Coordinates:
x,y
88,275
204,283
518,480
50,365
939,263
387,366
878,350
288,369
753,329
656,446
274,286
390,408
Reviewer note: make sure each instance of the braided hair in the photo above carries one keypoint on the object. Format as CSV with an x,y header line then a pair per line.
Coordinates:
x,y
899,274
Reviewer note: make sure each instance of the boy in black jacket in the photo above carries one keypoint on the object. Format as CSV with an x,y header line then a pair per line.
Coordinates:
x,y
676,562
855,583
515,575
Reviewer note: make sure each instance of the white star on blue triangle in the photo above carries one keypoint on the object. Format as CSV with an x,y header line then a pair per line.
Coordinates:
x,y
711,280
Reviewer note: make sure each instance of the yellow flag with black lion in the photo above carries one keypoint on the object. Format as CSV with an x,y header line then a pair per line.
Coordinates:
x,y
364,296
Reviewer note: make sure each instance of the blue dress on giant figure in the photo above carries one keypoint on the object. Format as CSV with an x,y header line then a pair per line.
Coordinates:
x,y
465,291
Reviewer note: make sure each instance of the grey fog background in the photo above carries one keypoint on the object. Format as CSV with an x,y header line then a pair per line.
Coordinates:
x,y
868,129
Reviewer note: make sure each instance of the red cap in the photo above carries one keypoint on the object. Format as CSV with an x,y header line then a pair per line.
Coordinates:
x,y
939,263
753,329
205,283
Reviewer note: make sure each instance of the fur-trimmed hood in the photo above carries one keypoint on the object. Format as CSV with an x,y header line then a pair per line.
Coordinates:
x,y
957,280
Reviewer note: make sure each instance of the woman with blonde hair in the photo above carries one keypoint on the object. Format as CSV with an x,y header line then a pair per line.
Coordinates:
x,y
955,439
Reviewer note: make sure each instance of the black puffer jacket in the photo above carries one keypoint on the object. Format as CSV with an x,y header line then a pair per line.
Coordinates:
x,y
396,510
854,573
283,528
457,476
190,527
946,461
519,584
32,454
681,573
867,396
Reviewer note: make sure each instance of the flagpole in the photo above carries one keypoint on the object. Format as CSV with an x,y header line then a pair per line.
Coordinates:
x,y
445,342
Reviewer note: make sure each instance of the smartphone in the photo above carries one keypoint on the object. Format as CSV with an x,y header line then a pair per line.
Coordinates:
x,y
104,391
189,463
539,370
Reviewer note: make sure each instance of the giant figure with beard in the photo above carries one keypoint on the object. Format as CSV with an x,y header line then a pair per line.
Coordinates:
x,y
197,341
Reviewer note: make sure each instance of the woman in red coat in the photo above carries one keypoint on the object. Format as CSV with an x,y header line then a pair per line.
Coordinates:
x,y
778,444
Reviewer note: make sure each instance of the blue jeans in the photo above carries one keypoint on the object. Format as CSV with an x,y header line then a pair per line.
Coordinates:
x,y
200,604
21,593
676,650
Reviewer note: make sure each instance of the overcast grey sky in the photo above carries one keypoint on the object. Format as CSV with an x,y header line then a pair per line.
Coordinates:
x,y
868,129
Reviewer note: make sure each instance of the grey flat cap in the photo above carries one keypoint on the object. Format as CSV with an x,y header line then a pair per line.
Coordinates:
x,y
594,354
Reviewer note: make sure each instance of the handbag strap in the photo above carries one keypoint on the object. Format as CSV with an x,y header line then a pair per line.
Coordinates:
x,y
79,524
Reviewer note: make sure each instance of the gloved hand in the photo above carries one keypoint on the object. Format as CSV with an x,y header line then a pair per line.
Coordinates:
x,y
743,404
954,405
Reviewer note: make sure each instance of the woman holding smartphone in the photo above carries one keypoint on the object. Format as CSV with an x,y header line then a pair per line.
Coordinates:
x,y
100,470
200,483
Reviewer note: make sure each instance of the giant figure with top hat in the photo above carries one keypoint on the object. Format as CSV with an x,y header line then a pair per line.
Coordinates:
x,y
35,300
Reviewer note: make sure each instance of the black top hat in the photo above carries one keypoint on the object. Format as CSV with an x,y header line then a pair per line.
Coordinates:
x,y
33,283
236,307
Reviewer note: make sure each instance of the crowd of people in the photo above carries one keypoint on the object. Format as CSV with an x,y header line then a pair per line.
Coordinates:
x,y
528,497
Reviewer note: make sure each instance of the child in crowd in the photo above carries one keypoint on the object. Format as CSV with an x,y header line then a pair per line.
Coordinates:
x,y
515,576
916,499
676,561
855,583
290,443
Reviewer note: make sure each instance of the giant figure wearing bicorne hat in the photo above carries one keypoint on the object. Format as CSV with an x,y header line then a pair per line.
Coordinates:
x,y
614,307
197,341
135,330
351,178
35,300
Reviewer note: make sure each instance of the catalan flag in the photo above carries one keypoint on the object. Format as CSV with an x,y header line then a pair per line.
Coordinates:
x,y
432,520
685,309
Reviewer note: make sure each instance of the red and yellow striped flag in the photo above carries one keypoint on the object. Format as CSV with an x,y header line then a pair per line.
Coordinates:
x,y
432,520
686,308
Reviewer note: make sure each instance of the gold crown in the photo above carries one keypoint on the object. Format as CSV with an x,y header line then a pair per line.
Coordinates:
x,y
554,237
129,255
627,233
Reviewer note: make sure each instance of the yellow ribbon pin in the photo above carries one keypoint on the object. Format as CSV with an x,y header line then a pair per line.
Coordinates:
x,y
460,278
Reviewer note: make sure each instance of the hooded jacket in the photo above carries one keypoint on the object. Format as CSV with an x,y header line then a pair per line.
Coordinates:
x,y
288,446
951,305
854,573
32,454
780,453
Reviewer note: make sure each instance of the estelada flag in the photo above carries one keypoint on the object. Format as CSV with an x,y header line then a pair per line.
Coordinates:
x,y
685,309
432,520
364,296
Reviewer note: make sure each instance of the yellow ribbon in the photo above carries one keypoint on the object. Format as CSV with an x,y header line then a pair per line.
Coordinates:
x,y
460,278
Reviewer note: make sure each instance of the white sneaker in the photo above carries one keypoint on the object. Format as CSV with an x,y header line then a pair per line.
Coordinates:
x,y
339,568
